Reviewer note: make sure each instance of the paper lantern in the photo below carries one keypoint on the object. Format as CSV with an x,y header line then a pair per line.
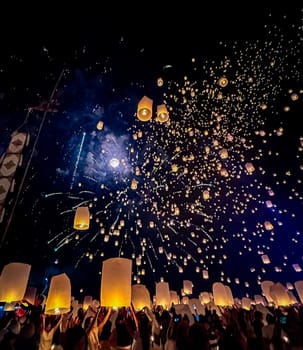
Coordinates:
x,y
81,220
279,294
229,294
299,289
100,125
134,184
144,110
246,303
30,295
223,81
116,282
265,286
9,306
205,274
87,301
268,226
204,298
250,168
185,300
205,195
163,294
187,287
223,153
162,113
265,259
174,297
259,299
297,267
220,296
59,295
140,297
13,281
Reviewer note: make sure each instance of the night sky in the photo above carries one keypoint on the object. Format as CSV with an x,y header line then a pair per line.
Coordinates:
x,y
240,143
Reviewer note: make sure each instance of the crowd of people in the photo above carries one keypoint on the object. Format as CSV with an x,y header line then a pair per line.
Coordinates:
x,y
27,327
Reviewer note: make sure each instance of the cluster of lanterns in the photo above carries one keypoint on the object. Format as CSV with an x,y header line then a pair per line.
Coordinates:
x,y
145,111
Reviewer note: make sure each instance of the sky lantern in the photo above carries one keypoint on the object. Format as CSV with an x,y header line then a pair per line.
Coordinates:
x,y
162,113
58,300
163,294
204,298
134,184
174,297
100,125
265,259
220,296
223,81
81,219
87,301
223,153
265,286
279,294
249,167
187,287
268,226
299,289
144,110
30,295
205,195
205,274
13,282
116,282
246,303
140,297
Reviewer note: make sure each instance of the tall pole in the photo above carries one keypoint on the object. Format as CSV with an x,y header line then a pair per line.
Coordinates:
x,y
9,220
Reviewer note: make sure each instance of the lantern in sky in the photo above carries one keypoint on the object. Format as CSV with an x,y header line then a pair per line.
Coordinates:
x,y
81,219
187,287
265,286
220,296
30,295
140,297
116,282
13,282
144,110
246,303
299,289
204,297
162,113
223,82
100,125
265,259
279,295
87,301
58,300
163,294
174,297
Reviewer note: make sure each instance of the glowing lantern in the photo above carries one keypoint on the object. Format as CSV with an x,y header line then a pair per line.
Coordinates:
x,y
163,294
151,224
88,299
265,286
144,110
204,297
174,168
250,168
220,296
187,287
100,125
246,303
259,299
230,298
160,82
81,219
223,82
116,282
140,297
13,281
134,184
268,226
223,153
205,274
299,289
9,306
205,195
162,113
265,259
59,295
224,172
174,297
185,300
297,267
30,295
137,171
161,250
268,204
279,294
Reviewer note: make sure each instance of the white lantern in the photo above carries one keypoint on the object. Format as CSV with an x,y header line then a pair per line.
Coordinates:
x,y
187,287
30,295
59,295
163,294
140,297
220,296
116,282
13,281
87,301
162,113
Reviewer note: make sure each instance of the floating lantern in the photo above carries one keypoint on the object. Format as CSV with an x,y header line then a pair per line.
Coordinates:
x,y
279,295
163,294
59,295
162,113
223,82
187,287
220,296
265,286
87,301
246,303
144,110
265,259
205,195
134,184
250,168
299,289
81,219
100,125
116,282
140,297
204,297
174,297
13,282
223,153
205,274
268,226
